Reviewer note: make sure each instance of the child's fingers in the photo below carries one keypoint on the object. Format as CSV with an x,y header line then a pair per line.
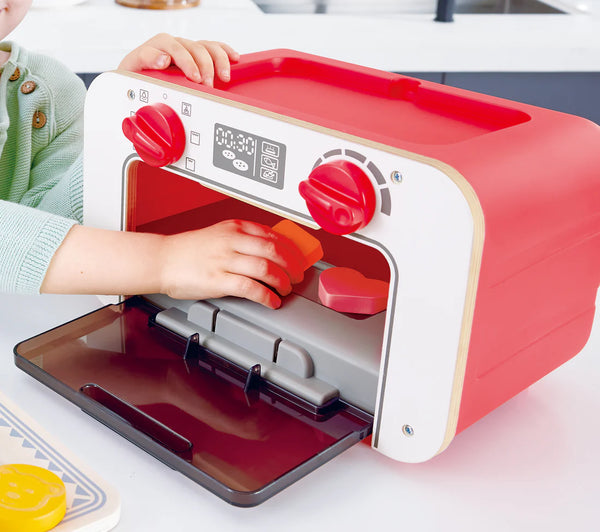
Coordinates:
x,y
264,231
164,46
232,54
145,57
212,58
247,288
276,249
179,50
198,60
200,54
222,55
262,270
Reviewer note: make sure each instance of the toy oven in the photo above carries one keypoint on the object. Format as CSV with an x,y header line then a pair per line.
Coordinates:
x,y
481,215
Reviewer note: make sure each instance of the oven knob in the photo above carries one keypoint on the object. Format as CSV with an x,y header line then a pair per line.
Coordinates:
x,y
339,196
157,134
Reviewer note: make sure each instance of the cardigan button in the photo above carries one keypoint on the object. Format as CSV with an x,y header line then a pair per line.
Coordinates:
x,y
39,120
15,75
28,87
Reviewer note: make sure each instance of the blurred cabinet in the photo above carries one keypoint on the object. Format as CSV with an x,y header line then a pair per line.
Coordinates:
x,y
577,93
87,78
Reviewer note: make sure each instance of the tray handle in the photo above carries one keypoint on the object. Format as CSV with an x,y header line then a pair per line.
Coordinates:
x,y
139,420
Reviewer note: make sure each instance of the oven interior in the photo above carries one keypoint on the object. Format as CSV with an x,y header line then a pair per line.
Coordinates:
x,y
341,349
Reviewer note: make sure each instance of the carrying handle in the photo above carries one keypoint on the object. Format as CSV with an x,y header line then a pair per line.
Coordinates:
x,y
139,420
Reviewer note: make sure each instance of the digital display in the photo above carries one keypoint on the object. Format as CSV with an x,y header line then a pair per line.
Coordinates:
x,y
239,142
249,155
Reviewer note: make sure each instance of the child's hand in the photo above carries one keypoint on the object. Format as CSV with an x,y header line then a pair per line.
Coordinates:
x,y
230,258
198,60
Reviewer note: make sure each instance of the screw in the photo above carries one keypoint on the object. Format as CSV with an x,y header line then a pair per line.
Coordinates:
x,y
131,94
408,430
396,177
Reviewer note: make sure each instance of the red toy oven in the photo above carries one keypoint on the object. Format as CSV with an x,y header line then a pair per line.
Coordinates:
x,y
482,215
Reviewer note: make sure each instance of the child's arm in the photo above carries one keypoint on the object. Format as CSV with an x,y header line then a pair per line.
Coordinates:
x,y
229,258
198,60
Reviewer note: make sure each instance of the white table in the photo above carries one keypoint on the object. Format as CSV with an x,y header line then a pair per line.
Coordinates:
x,y
533,464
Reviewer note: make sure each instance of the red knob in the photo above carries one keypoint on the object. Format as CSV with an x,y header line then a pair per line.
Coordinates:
x,y
157,134
339,196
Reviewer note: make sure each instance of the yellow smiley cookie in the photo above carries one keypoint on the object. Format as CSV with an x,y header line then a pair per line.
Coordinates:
x,y
32,499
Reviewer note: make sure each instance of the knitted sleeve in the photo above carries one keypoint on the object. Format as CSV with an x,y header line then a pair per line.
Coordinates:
x,y
61,190
28,240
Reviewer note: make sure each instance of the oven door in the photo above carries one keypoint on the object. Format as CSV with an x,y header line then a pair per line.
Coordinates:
x,y
226,428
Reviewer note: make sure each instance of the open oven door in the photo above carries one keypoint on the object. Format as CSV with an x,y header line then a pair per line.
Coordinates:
x,y
225,427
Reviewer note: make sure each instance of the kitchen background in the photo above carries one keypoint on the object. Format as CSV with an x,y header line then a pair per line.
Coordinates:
x,y
546,53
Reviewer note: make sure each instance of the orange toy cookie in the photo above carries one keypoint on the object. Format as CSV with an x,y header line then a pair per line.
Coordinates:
x,y
308,244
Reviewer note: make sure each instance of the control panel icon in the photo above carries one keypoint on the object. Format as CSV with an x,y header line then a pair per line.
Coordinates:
x,y
268,175
190,164
242,166
270,149
268,162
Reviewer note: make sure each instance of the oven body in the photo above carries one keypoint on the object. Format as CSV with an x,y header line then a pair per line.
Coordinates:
x,y
486,224
491,232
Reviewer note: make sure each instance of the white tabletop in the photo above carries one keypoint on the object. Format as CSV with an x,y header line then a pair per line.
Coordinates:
x,y
94,35
533,464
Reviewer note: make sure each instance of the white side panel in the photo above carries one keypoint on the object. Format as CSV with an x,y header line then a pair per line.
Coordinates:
x,y
105,151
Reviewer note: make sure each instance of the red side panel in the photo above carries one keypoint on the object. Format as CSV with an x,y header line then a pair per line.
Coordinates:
x,y
539,187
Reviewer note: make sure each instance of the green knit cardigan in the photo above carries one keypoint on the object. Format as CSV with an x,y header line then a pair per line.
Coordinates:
x,y
41,172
